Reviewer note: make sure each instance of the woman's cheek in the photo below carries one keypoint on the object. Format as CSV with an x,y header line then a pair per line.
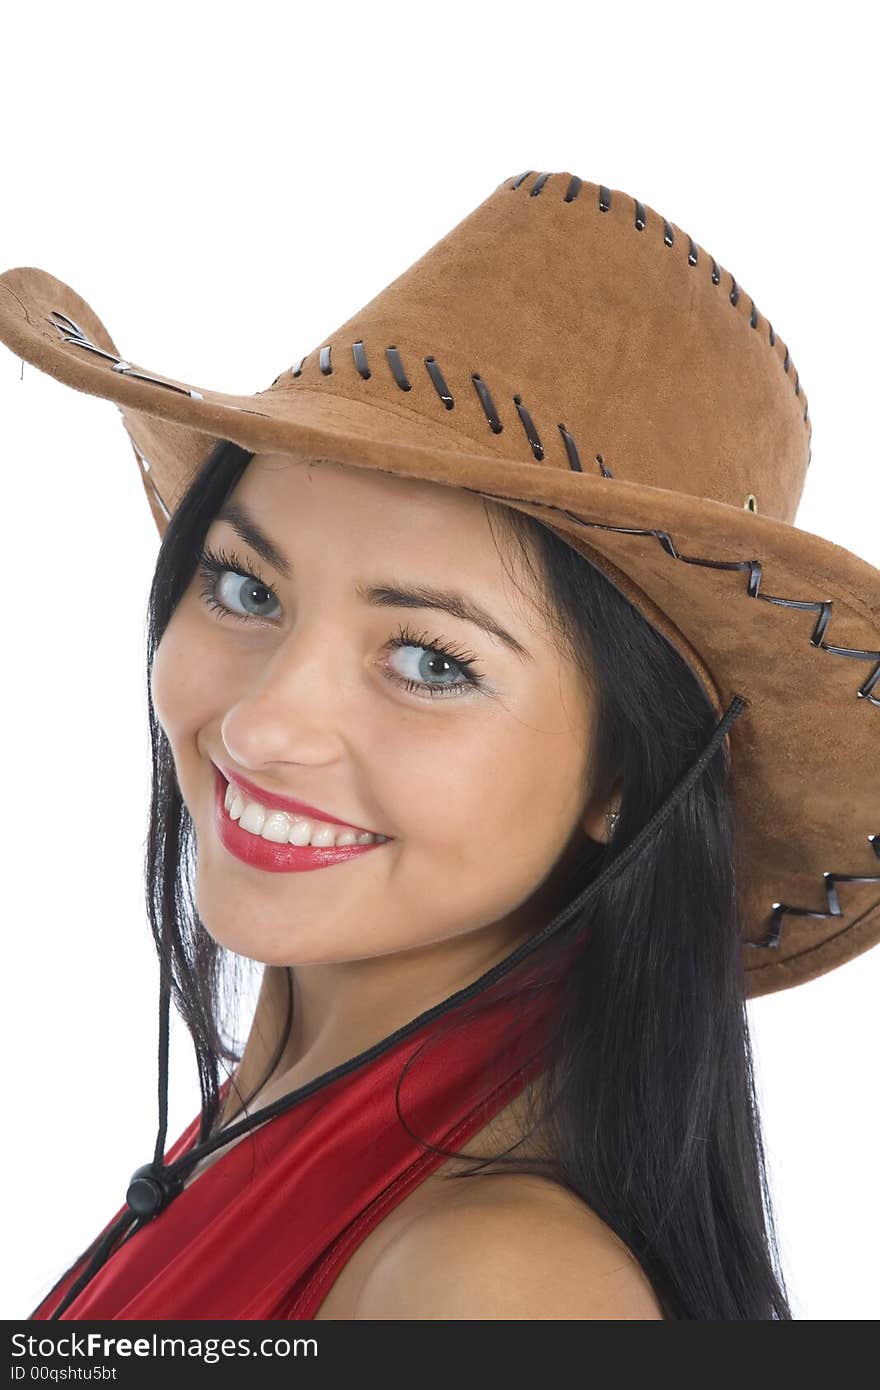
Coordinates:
x,y
186,675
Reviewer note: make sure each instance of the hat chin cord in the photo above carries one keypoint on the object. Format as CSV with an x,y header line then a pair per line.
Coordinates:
x,y
154,1185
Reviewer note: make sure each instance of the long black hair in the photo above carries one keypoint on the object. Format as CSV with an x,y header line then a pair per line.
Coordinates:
x,y
649,1110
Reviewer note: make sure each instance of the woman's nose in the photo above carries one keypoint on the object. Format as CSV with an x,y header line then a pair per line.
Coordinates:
x,y
293,708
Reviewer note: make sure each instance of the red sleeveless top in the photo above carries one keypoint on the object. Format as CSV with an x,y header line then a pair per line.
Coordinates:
x,y
264,1231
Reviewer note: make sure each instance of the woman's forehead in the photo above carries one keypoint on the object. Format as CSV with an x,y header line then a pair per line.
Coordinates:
x,y
289,477
301,500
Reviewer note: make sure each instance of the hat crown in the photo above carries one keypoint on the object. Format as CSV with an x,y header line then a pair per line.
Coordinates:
x,y
568,324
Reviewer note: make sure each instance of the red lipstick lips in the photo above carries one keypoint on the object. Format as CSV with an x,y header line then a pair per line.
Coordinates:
x,y
287,803
267,854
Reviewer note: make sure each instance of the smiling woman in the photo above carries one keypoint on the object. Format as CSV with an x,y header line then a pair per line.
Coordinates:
x,y
308,687
490,685
273,659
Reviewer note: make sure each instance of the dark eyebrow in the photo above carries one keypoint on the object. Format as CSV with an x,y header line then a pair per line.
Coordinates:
x,y
379,595
420,596
246,528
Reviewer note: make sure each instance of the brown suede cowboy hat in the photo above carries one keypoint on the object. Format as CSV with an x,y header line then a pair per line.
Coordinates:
x,y
567,351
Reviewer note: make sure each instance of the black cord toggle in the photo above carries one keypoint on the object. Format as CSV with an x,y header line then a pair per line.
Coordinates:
x,y
151,1188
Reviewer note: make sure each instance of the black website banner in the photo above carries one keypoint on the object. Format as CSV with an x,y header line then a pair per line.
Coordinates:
x,y
288,1354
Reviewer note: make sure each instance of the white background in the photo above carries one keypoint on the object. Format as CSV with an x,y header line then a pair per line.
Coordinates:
x,y
225,185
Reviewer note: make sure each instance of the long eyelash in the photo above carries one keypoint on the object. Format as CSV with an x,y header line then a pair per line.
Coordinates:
x,y
405,637
213,563
216,561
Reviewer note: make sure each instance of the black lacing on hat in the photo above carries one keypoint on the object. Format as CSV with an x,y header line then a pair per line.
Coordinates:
x,y
639,223
154,1185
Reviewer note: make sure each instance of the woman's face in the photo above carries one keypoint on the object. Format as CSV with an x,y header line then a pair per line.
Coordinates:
x,y
480,787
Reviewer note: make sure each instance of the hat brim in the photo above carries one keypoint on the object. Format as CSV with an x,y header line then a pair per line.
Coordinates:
x,y
785,619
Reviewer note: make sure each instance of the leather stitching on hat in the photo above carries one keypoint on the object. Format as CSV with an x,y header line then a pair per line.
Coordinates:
x,y
774,931
639,223
604,205
72,333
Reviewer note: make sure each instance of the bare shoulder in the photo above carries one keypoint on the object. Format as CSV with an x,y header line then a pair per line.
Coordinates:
x,y
519,1247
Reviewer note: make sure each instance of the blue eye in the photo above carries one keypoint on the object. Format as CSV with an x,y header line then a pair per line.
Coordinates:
x,y
226,580
434,655
214,566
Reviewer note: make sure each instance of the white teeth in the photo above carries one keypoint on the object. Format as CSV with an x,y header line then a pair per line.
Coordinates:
x,y
276,827
300,832
324,835
252,817
282,829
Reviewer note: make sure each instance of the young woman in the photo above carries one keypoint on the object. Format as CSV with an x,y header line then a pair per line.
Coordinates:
x,y
458,774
